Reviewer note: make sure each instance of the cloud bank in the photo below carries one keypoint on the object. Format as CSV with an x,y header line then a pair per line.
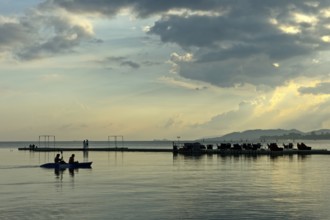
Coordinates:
x,y
262,43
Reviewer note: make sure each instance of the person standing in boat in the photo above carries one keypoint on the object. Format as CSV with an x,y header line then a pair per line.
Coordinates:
x,y
71,159
59,159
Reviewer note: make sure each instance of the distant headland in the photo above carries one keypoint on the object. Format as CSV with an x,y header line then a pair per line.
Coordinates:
x,y
273,134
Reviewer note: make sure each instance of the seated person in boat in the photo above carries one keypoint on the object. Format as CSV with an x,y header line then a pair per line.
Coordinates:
x,y
71,159
58,159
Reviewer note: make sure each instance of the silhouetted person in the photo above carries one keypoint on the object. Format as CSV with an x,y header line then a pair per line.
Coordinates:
x,y
58,159
71,159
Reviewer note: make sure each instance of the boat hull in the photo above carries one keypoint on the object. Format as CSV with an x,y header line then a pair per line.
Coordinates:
x,y
67,165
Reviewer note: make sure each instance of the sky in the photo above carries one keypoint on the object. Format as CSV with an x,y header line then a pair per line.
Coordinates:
x,y
163,69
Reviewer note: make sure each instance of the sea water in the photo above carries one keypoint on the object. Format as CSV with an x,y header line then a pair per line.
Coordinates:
x,y
137,185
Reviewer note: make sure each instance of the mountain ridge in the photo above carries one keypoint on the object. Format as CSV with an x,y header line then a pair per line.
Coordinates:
x,y
259,134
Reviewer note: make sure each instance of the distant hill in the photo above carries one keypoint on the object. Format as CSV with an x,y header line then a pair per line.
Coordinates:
x,y
320,132
258,134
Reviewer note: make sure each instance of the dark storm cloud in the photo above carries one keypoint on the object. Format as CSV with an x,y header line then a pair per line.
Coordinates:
x,y
243,31
241,45
321,88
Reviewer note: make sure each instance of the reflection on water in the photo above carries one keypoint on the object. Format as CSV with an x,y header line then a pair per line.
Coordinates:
x,y
283,186
238,157
60,172
73,172
85,156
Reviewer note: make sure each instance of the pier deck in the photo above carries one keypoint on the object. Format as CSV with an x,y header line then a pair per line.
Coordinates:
x,y
213,151
121,149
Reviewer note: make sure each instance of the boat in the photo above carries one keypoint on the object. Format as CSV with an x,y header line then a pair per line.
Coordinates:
x,y
303,146
274,147
190,148
67,165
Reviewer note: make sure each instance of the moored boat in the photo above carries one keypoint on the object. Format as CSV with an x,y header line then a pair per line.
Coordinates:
x,y
303,146
274,147
191,148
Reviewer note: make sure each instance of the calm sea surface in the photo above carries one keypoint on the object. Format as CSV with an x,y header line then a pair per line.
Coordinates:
x,y
134,185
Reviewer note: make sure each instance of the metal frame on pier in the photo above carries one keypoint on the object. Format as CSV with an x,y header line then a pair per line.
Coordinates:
x,y
46,140
115,138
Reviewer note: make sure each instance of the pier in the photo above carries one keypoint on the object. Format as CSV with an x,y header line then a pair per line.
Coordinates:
x,y
199,152
188,148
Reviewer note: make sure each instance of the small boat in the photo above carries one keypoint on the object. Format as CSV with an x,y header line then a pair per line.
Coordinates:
x,y
303,146
67,165
274,147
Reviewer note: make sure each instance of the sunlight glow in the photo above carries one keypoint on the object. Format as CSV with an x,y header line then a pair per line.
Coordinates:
x,y
276,65
188,57
326,38
325,12
290,29
303,18
286,103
